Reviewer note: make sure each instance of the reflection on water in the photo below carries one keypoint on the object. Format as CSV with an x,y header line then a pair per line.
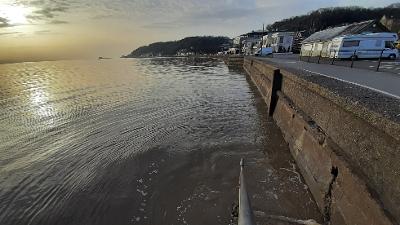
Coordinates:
x,y
151,141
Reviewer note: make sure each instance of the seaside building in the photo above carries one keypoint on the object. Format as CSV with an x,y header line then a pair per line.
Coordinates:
x,y
250,45
251,42
237,42
320,42
279,41
185,52
233,51
297,40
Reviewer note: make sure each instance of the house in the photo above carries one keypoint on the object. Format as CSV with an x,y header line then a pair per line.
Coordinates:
x,y
184,52
297,40
251,42
225,46
250,45
233,51
319,43
279,41
237,41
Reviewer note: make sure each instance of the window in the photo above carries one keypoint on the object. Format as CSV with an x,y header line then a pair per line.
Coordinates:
x,y
351,43
281,39
389,44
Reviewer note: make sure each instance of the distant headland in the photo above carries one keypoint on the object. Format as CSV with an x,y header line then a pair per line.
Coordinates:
x,y
185,47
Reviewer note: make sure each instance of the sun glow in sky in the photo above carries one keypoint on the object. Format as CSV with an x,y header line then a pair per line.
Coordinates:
x,y
14,14
32,30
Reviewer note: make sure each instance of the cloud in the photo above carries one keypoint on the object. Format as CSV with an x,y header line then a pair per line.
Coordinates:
x,y
154,13
58,22
230,13
101,16
218,17
42,32
4,22
202,18
9,33
46,32
158,11
45,10
163,25
209,12
47,13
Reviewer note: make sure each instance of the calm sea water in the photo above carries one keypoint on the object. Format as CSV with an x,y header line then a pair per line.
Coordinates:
x,y
149,141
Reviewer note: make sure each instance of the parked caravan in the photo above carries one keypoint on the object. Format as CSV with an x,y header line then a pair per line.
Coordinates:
x,y
370,45
319,43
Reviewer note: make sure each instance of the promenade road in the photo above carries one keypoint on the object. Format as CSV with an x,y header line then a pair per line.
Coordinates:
x,y
387,83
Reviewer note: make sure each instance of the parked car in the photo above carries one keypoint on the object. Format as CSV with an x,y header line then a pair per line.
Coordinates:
x,y
372,45
264,51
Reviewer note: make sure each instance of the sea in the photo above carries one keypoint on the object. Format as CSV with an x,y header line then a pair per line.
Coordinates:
x,y
140,141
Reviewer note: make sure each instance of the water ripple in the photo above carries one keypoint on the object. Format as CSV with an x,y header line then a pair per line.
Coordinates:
x,y
64,122
76,136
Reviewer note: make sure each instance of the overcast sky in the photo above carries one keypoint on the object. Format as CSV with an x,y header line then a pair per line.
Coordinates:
x,y
52,29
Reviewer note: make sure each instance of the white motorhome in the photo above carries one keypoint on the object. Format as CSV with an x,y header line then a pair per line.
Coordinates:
x,y
359,46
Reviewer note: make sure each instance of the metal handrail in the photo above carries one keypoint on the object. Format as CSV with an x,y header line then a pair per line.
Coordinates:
x,y
246,216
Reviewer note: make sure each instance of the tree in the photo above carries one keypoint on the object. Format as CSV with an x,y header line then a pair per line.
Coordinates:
x,y
330,17
196,45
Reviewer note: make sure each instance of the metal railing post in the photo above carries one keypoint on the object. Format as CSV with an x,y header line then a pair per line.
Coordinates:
x,y
319,57
380,59
246,216
334,56
301,52
352,58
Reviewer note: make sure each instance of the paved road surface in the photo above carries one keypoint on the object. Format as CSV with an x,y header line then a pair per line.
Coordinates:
x,y
383,82
390,66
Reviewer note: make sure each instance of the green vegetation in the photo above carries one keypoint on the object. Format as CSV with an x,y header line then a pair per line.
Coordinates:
x,y
191,45
331,17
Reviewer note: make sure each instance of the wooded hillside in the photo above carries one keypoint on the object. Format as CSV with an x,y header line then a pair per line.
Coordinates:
x,y
330,17
196,45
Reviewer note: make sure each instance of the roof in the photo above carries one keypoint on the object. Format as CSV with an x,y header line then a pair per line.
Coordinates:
x,y
255,33
283,33
330,33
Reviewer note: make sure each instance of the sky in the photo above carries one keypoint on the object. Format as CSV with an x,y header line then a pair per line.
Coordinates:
x,y
34,30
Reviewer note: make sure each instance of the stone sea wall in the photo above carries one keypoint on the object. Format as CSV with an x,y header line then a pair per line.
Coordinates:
x,y
348,154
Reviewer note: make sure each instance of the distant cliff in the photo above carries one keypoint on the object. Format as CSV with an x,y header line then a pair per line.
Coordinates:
x,y
330,17
186,46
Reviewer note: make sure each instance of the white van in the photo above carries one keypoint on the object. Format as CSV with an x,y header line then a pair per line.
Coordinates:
x,y
362,46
